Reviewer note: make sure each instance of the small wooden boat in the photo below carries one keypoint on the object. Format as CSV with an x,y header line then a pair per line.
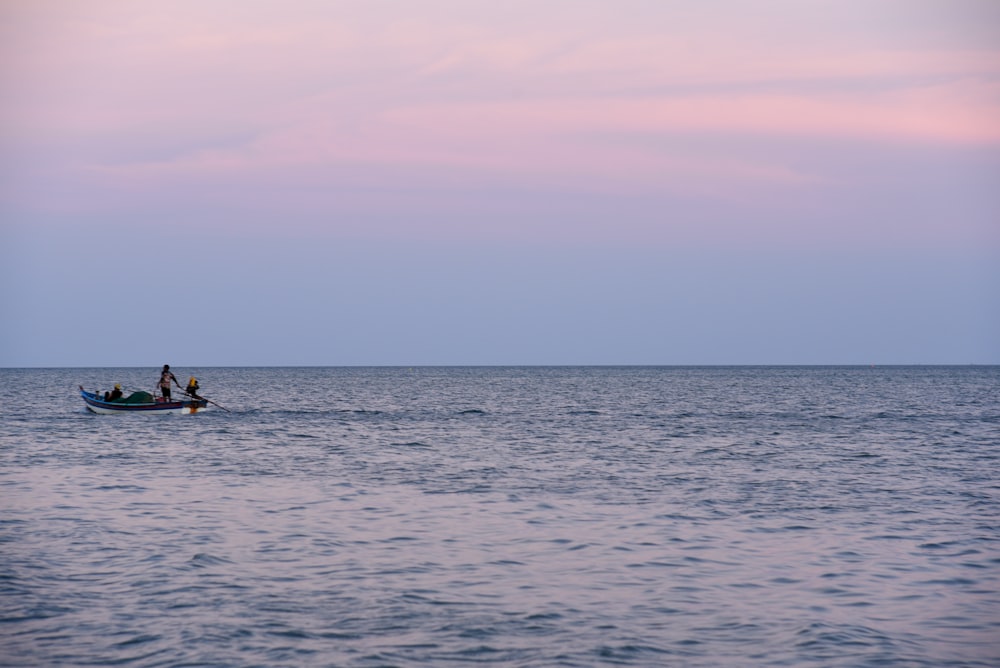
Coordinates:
x,y
141,402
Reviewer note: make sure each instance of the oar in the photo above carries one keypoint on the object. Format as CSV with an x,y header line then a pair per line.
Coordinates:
x,y
215,404
208,400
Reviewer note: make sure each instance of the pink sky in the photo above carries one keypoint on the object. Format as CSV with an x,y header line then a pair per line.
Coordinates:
x,y
783,126
569,96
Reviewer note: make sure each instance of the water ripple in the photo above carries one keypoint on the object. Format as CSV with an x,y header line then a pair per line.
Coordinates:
x,y
529,517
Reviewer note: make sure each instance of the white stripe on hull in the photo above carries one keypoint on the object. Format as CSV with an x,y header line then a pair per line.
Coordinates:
x,y
178,410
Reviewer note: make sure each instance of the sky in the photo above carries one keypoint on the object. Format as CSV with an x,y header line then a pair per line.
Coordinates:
x,y
389,182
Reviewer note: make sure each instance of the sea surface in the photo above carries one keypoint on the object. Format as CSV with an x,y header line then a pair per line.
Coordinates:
x,y
569,516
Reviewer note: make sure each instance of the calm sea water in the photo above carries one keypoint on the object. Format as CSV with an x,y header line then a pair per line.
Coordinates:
x,y
783,516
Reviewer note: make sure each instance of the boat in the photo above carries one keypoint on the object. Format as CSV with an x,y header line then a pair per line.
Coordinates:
x,y
141,402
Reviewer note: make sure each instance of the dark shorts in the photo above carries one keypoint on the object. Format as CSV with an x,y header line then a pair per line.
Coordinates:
x,y
165,391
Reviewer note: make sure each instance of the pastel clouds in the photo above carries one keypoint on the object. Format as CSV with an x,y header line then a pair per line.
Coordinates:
x,y
584,97
315,156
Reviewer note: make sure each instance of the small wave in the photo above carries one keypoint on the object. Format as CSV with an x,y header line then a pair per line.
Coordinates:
x,y
37,614
819,635
951,582
124,488
652,564
204,560
539,616
631,652
296,634
341,635
937,546
138,640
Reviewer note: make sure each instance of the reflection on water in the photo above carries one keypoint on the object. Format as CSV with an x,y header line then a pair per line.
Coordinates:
x,y
531,517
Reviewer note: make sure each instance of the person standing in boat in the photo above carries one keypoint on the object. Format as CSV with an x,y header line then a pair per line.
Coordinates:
x,y
165,377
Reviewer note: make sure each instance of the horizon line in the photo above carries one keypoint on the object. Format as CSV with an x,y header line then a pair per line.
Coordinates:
x,y
517,366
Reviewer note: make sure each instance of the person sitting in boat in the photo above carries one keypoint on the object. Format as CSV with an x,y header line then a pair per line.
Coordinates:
x,y
192,388
165,377
116,393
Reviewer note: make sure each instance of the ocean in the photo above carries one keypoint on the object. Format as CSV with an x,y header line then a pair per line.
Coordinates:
x,y
565,516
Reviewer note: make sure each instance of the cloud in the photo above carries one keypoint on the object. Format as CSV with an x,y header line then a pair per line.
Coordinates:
x,y
571,97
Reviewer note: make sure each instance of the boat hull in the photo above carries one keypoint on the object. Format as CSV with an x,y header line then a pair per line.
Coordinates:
x,y
186,407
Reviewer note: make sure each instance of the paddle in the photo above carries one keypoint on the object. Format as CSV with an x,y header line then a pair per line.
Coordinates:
x,y
208,400
215,404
